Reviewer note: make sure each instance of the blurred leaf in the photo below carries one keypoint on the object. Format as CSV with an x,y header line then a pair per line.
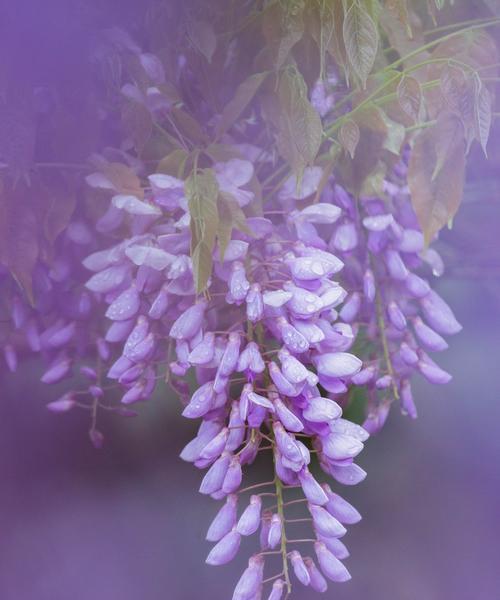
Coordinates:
x,y
188,126
360,39
325,26
374,183
410,96
138,124
282,29
123,179
60,205
17,137
436,174
399,9
203,38
18,236
372,136
242,98
405,40
349,136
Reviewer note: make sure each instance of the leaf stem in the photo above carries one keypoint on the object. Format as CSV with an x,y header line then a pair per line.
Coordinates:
x,y
438,40
418,126
442,28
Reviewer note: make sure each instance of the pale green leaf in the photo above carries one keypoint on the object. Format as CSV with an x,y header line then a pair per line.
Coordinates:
x,y
482,113
409,95
349,136
396,134
202,191
436,197
360,39
448,134
202,266
300,128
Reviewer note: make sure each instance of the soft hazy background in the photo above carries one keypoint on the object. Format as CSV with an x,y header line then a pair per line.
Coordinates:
x,y
126,523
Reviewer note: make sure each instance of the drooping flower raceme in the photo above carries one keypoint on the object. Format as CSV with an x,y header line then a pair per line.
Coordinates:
x,y
306,297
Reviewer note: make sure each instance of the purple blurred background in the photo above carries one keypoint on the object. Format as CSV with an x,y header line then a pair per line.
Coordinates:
x,y
126,523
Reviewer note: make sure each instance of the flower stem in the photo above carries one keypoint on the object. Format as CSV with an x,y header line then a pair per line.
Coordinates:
x,y
385,345
254,487
284,553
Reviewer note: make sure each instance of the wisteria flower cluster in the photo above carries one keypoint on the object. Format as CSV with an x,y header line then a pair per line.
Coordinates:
x,y
267,292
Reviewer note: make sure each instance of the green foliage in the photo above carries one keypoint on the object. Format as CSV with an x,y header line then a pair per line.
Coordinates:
x,y
395,79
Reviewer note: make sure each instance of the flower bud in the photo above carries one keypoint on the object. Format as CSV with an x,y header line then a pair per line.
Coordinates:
x,y
250,519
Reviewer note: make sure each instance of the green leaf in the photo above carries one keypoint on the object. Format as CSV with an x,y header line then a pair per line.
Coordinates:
x,y
349,136
436,196
224,233
231,216
202,265
203,38
174,163
360,39
325,26
202,191
396,133
409,95
449,134
242,98
453,87
300,128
